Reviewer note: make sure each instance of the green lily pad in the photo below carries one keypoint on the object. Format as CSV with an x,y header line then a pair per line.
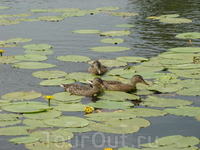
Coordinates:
x,y
4,7
193,91
186,49
80,76
49,74
118,96
115,33
111,63
35,123
145,112
109,49
111,105
125,25
61,10
184,111
166,80
73,14
53,135
86,31
51,18
51,146
185,66
67,97
198,118
9,123
153,101
18,40
179,55
8,22
145,75
55,82
16,130
19,96
188,35
71,107
9,117
169,16
38,10
43,115
8,60
189,83
145,68
109,8
112,41
26,107
165,88
67,121
131,59
39,52
167,62
127,148
23,140
73,58
124,14
79,130
32,65
37,47
191,73
31,57
10,45
120,71
175,20
89,11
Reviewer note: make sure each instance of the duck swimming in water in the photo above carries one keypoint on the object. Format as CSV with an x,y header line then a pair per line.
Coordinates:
x,y
97,68
82,90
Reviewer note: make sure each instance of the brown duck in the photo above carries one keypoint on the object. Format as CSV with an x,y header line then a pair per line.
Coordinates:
x,y
119,86
82,90
97,68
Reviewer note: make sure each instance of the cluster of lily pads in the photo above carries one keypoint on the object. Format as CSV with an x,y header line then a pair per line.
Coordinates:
x,y
41,120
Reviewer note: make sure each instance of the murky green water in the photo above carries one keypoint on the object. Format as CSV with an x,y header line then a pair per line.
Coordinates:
x,y
148,39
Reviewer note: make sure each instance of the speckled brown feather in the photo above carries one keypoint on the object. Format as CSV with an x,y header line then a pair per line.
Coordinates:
x,y
97,68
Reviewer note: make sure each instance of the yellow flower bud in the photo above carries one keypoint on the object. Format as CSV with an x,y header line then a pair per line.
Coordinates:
x,y
108,148
49,97
88,109
1,51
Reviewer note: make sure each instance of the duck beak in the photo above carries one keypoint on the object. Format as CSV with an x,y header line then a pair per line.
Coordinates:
x,y
144,82
90,81
99,71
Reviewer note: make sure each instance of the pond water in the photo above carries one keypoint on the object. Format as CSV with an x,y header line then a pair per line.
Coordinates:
x,y
147,39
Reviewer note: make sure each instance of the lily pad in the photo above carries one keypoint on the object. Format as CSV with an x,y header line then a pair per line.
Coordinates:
x,y
131,59
166,80
191,73
16,130
51,18
54,136
193,91
9,117
73,14
55,82
190,83
51,146
67,97
23,140
112,41
31,57
4,7
80,76
175,20
145,75
109,49
86,31
120,71
39,52
19,96
125,25
118,96
8,60
145,112
18,40
146,68
186,49
8,22
49,74
165,88
115,33
184,111
153,101
166,62
111,105
73,58
9,123
67,121
127,148
61,10
71,107
32,65
35,123
89,11
111,63
124,14
79,130
184,66
37,47
38,10
43,115
109,8
188,35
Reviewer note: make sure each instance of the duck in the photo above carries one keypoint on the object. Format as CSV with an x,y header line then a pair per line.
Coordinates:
x,y
120,86
97,68
85,90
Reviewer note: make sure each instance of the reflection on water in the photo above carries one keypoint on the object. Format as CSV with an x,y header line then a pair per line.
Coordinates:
x,y
148,39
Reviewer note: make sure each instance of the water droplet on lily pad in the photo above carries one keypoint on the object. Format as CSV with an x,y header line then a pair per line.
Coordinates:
x,y
33,65
23,140
115,33
49,74
73,58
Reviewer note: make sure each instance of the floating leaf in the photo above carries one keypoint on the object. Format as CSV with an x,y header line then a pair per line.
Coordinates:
x,y
189,83
17,130
73,58
165,88
89,11
186,49
131,59
145,75
112,41
80,76
39,52
73,14
3,7
127,148
185,66
9,123
166,80
86,31
67,121
35,123
67,97
51,18
38,10
8,60
8,22
53,82
61,10
111,105
71,107
107,8
193,91
188,35
184,111
49,146
109,49
175,20
191,73
37,47
125,25
124,14
115,33
118,96
79,130
120,71
43,115
18,40
32,65
111,63
23,140
146,68
167,62
179,56
9,117
53,135
145,112
198,118
169,16
153,101
31,57
49,74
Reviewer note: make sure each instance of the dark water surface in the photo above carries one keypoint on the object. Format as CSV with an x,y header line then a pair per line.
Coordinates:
x,y
148,39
